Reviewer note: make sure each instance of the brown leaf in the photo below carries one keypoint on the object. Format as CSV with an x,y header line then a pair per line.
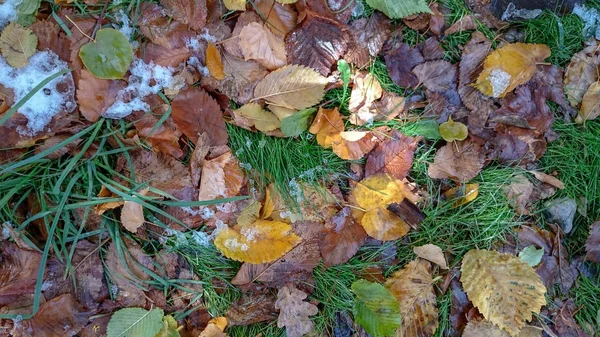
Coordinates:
x,y
58,317
197,159
400,62
432,253
590,108
166,57
439,77
365,91
248,273
431,49
318,42
294,312
548,179
340,242
564,322
281,18
95,95
258,43
132,214
369,35
338,10
47,33
581,73
221,178
162,139
519,193
466,22
18,272
353,145
393,156
91,288
188,12
389,107
459,161
592,244
195,112
78,39
161,29
460,307
232,46
252,308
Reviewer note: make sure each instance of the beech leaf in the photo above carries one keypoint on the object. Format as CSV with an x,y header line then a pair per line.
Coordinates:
x,y
375,308
108,56
258,43
395,9
17,45
460,161
134,322
451,131
431,253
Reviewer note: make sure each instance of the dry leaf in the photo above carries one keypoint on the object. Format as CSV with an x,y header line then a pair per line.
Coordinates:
x,y
400,62
460,161
214,62
326,126
252,308
132,214
510,66
235,5
61,316
488,329
261,119
162,139
125,273
294,312
462,195
215,328
195,112
17,45
190,12
369,34
258,43
432,253
506,290
548,179
232,45
393,156
293,86
353,145
166,57
17,272
590,105
95,95
581,73
413,288
221,178
281,18
345,237
106,193
519,193
365,91
261,242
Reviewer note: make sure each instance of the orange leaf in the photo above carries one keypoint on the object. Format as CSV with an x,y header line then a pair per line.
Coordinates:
x,y
328,123
214,63
353,145
221,178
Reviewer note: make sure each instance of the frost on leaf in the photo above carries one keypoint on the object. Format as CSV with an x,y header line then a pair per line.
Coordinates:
x,y
506,290
294,312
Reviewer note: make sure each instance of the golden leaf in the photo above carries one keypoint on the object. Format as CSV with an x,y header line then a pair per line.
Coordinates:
x,y
487,329
261,242
413,288
258,43
249,214
268,206
327,124
17,45
285,2
506,290
462,195
215,328
452,130
510,66
106,193
263,120
235,5
214,63
293,86
281,112
372,196
132,214
590,105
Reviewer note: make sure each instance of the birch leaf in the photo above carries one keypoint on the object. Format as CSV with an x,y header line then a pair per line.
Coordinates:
x,y
17,45
395,9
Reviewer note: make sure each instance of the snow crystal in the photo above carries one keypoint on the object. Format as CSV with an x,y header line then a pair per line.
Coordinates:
x,y
512,12
46,285
54,97
193,44
126,27
248,142
205,35
206,213
500,80
262,143
200,238
591,20
335,5
250,233
5,233
8,12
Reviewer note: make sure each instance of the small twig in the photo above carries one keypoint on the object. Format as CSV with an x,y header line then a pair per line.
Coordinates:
x,y
100,18
79,29
226,40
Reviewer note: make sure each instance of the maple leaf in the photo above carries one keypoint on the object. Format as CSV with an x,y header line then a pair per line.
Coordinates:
x,y
261,119
506,290
345,237
460,161
258,43
214,62
293,86
394,156
400,9
413,288
294,312
221,178
592,244
195,112
581,73
375,308
590,106
510,66
431,253
17,44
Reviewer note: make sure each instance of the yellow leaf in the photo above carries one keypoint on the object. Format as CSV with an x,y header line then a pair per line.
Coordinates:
x,y
285,2
235,5
413,288
293,86
590,105
258,43
249,214
215,328
452,131
263,120
106,193
463,194
268,206
17,45
506,290
327,124
261,242
214,63
510,66
281,112
372,196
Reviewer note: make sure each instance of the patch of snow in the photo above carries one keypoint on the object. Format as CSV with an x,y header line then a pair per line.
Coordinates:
x,y
126,27
248,142
193,44
335,5
190,211
205,35
500,80
56,96
359,9
200,238
8,12
246,166
512,12
6,230
114,290
250,233
591,20
206,213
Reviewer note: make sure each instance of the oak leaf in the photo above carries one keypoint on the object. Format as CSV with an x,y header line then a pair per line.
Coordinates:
x,y
258,43
506,290
221,178
393,156
431,253
17,44
460,161
195,112
340,242
293,86
294,312
510,66
590,105
214,62
261,119
413,288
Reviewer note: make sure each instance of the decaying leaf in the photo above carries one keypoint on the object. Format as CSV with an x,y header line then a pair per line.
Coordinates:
x,y
452,131
214,62
372,196
375,308
510,66
400,62
252,308
17,44
394,156
462,195
95,95
221,178
258,43
413,288
519,193
294,312
400,9
581,73
369,36
340,242
196,112
432,253
192,13
281,18
293,86
460,161
365,91
590,105
505,289
17,272
61,316
592,245
261,242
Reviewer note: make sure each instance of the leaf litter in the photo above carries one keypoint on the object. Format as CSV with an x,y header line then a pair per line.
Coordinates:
x,y
177,78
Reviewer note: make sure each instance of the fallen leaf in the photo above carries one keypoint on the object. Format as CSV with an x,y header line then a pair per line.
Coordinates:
x,y
215,328
394,156
466,22
232,45
258,43
564,321
18,272
252,308
439,76
519,193
375,308
281,18
91,288
505,289
459,161
293,86
166,57
460,308
214,62
235,5
261,119
590,108
132,214
592,244
548,179
221,178
326,126
17,45
103,207
294,313
108,56
431,49
340,242
431,253
318,42
295,124
413,288
95,95
189,12
195,112
531,255
163,138
135,321
60,316
400,62
510,66
462,195
389,107
365,91
369,35
400,9
353,145
488,329
344,11
160,28
581,72
452,131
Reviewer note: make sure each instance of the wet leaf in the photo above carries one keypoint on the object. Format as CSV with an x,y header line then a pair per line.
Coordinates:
x,y
400,9
214,62
339,243
297,123
590,105
294,313
258,43
413,288
457,161
531,255
17,44
375,308
108,56
393,156
431,253
293,86
261,119
451,131
61,316
462,195
510,66
369,35
400,62
505,289
132,322
196,112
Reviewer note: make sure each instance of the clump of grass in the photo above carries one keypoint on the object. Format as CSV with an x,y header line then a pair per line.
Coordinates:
x,y
587,303
259,329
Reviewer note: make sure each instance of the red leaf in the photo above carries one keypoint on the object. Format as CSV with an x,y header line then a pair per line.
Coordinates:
x,y
340,243
394,157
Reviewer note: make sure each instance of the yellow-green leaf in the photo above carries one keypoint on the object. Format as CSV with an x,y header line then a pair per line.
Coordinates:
x,y
375,308
262,120
235,5
452,131
17,44
108,56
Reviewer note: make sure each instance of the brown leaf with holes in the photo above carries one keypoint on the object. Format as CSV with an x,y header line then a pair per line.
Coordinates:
x,y
369,35
281,18
592,244
459,161
221,178
188,12
394,156
166,57
95,95
400,61
258,43
294,313
61,316
317,42
342,239
195,112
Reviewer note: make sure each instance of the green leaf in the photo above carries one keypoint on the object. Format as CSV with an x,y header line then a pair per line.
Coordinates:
x,y
344,69
26,12
297,123
109,56
375,308
452,131
135,322
428,128
531,255
398,9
